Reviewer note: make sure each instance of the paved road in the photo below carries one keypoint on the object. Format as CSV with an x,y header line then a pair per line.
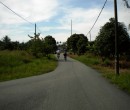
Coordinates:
x,y
72,86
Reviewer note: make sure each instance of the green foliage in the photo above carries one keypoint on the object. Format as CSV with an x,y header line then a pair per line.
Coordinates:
x,y
36,47
11,59
42,47
7,44
19,64
50,43
105,41
123,81
91,47
77,43
88,59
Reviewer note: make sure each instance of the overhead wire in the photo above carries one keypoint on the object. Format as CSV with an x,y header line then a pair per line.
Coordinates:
x,y
19,15
97,17
15,13
40,30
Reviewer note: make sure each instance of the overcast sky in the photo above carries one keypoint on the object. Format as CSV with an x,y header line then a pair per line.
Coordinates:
x,y
53,17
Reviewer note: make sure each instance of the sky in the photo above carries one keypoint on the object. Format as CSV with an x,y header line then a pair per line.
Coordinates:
x,y
53,17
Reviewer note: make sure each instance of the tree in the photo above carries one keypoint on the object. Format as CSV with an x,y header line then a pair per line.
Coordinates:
x,y
82,44
15,45
91,47
35,47
50,43
7,43
1,45
77,43
72,43
42,47
105,41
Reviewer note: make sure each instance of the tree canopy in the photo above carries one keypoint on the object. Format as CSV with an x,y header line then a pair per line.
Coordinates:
x,y
77,43
42,47
51,42
105,41
49,45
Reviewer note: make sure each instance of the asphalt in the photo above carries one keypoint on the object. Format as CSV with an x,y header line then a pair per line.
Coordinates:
x,y
72,86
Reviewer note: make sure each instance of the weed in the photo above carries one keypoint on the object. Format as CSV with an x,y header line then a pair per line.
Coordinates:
x,y
19,64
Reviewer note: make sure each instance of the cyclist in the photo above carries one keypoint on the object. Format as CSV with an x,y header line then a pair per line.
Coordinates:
x,y
65,55
58,54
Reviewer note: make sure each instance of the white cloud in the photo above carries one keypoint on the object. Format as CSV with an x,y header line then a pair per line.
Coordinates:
x,y
83,19
45,10
32,10
61,36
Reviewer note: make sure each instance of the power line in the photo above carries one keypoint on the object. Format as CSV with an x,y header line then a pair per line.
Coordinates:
x,y
97,17
19,15
15,13
126,3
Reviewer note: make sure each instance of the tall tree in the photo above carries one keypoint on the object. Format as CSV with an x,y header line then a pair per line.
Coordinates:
x,y
105,41
82,44
77,43
7,42
51,43
35,47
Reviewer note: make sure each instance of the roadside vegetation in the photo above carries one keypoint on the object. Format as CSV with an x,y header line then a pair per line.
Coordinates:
x,y
20,64
19,60
100,54
107,70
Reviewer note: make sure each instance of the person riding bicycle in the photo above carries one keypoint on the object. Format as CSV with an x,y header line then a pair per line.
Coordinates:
x,y
58,54
65,55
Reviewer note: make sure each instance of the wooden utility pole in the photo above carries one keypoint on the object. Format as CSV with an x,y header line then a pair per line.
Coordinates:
x,y
116,40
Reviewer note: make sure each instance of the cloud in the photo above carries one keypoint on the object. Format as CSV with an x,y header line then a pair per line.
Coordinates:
x,y
32,10
61,36
83,19
47,12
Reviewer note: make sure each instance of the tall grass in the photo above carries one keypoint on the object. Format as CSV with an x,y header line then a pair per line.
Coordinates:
x,y
123,80
19,64
87,59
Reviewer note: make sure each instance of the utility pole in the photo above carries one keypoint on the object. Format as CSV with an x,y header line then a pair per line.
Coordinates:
x,y
36,36
116,40
71,27
35,30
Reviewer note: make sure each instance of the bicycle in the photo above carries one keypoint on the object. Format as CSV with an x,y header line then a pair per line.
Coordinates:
x,y
58,55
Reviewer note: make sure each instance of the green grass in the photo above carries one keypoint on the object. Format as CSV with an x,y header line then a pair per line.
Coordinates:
x,y
20,64
123,80
87,59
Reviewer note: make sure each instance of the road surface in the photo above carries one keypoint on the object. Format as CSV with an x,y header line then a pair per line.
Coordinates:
x,y
72,86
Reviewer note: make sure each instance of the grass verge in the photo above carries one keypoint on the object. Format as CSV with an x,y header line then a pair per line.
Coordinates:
x,y
123,80
20,64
